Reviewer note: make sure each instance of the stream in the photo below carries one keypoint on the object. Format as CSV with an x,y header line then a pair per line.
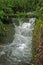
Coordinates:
x,y
19,51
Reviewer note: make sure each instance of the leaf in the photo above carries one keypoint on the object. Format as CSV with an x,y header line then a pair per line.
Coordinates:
x,y
1,12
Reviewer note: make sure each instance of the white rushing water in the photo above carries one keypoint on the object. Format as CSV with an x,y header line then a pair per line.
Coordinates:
x,y
19,52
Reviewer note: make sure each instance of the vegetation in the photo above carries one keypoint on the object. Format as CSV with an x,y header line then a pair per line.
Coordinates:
x,y
37,39
9,7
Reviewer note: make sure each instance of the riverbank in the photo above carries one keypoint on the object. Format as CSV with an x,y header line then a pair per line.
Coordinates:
x,y
38,43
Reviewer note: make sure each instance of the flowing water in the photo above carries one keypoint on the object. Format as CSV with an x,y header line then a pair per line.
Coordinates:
x,y
19,51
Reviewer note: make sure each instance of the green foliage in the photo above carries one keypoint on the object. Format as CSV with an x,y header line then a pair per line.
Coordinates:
x,y
1,12
39,21
32,64
2,28
21,14
13,6
17,6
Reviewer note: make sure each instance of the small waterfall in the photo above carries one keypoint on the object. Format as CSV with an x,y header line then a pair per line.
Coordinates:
x,y
19,51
